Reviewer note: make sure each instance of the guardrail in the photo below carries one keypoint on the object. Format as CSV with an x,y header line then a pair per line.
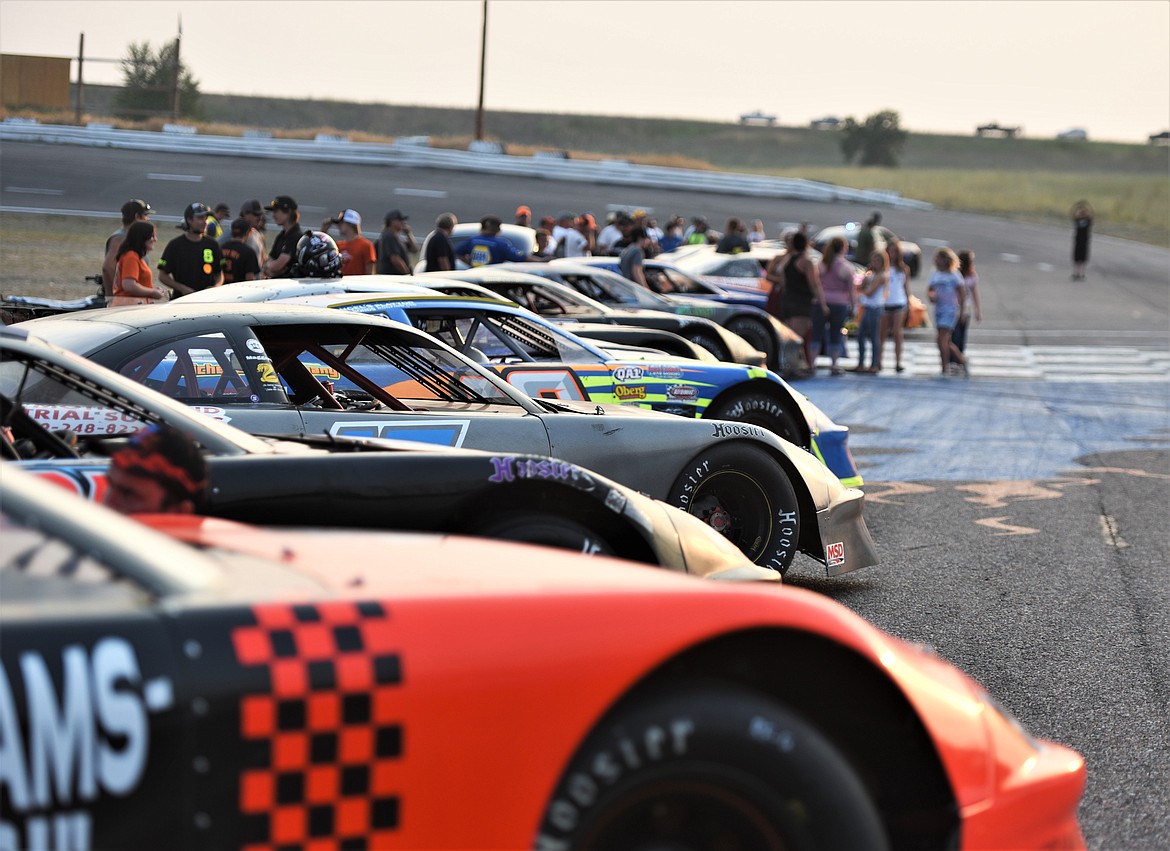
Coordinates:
x,y
416,152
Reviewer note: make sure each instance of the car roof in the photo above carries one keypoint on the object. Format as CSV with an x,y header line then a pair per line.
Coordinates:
x,y
282,288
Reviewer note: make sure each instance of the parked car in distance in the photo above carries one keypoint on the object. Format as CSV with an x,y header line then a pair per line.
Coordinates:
x,y
757,117
220,687
996,130
911,251
829,122
1073,134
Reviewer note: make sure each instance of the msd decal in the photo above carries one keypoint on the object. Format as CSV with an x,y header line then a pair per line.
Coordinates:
x,y
87,739
835,554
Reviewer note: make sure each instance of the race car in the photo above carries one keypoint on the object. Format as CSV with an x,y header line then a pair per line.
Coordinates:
x,y
219,687
545,360
338,481
289,369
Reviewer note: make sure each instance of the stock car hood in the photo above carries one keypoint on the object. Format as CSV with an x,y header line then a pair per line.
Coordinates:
x,y
988,757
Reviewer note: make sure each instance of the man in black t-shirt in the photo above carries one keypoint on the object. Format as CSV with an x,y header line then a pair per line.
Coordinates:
x,y
438,252
192,260
239,258
284,247
392,256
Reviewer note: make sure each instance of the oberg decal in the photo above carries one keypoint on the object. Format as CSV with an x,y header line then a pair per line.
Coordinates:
x,y
90,740
629,393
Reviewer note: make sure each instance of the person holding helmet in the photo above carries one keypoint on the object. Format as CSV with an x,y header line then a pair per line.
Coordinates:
x,y
357,252
316,256
192,260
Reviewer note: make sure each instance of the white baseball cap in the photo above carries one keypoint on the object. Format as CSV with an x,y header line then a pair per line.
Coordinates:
x,y
353,217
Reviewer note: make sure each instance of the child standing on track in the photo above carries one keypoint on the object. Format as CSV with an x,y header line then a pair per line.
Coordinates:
x,y
947,293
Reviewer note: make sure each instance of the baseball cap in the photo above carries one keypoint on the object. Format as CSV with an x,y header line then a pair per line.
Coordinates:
x,y
395,215
196,209
252,206
353,217
587,219
523,210
221,207
281,202
136,207
241,227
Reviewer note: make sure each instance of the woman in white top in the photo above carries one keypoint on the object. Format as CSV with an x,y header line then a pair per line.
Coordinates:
x,y
872,295
897,302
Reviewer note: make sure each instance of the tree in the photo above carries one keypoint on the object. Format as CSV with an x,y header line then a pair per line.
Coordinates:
x,y
148,79
879,141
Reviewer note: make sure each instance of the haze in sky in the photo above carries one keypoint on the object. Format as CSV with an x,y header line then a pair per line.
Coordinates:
x,y
944,65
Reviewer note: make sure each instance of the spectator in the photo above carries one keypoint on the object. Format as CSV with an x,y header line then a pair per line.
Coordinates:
x,y
756,234
160,470
946,292
134,210
837,283
734,239
487,247
672,237
587,227
280,258
698,233
438,253
215,229
570,241
800,296
252,211
524,216
357,252
634,255
613,233
192,260
1082,218
971,305
134,283
545,246
867,239
392,256
897,302
240,262
872,297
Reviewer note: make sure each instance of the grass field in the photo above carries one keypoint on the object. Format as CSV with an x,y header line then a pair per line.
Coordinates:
x,y
1025,179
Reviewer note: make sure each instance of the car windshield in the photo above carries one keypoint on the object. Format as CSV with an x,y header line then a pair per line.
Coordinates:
x,y
666,280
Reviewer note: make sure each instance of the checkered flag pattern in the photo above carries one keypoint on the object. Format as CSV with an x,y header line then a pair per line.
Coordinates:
x,y
321,745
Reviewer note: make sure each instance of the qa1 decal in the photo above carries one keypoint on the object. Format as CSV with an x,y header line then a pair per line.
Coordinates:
x,y
87,739
443,432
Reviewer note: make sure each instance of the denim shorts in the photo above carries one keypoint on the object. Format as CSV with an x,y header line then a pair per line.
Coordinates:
x,y
946,317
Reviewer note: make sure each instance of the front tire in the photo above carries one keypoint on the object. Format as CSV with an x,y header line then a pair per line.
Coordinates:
x,y
548,530
701,769
711,344
756,333
759,409
744,494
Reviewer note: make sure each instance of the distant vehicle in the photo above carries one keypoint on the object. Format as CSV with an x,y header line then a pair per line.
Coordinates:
x,y
998,131
911,251
1162,138
1073,134
829,122
757,117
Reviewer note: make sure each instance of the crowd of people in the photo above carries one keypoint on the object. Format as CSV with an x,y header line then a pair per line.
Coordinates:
x,y
815,296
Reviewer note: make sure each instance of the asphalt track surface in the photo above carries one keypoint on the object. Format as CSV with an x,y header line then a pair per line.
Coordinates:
x,y
1021,515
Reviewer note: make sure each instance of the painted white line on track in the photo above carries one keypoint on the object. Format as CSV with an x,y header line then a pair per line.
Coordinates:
x,y
28,190
1010,258
181,178
422,193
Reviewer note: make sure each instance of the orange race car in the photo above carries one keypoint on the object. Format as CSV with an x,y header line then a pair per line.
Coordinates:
x,y
317,690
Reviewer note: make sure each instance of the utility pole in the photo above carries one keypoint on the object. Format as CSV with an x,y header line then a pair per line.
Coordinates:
x,y
482,65
175,81
80,83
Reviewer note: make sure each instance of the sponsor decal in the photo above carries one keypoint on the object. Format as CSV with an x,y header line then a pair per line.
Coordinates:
x,y
682,392
509,468
628,373
83,420
422,430
629,393
254,346
725,429
85,740
835,554
664,371
785,538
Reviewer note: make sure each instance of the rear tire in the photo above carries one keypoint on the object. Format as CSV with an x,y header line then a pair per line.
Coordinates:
x,y
548,530
702,769
756,333
711,344
759,409
744,494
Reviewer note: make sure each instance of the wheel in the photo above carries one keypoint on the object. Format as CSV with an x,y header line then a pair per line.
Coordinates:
x,y
756,333
711,344
743,493
546,529
759,409
710,768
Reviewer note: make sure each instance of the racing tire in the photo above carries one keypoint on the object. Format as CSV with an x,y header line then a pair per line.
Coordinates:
x,y
759,409
548,530
711,344
756,333
743,493
702,769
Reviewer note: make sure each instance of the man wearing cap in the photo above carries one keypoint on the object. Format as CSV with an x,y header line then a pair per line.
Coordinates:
x,y
280,257
357,252
240,262
392,256
220,215
133,211
192,260
524,216
252,211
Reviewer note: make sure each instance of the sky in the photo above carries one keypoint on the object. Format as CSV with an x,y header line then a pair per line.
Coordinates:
x,y
946,66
